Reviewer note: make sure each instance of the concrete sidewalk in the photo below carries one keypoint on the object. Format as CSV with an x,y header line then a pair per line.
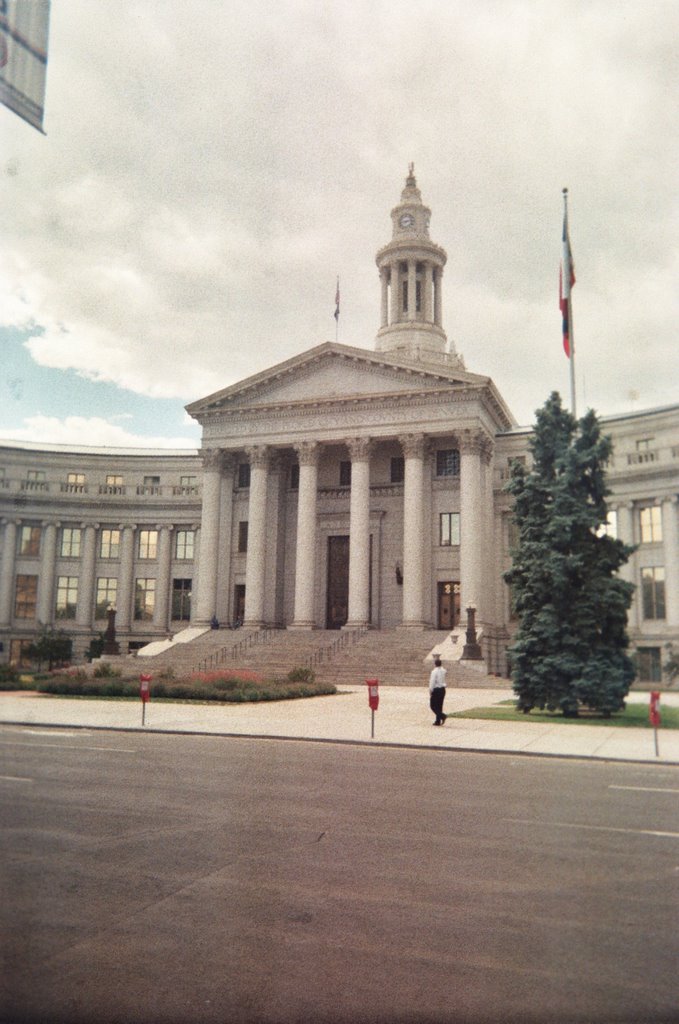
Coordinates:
x,y
403,719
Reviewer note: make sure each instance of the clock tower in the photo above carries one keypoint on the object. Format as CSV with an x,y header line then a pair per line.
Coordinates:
x,y
411,269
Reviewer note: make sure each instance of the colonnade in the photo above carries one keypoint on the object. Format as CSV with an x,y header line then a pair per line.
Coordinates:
x,y
391,275
476,517
85,568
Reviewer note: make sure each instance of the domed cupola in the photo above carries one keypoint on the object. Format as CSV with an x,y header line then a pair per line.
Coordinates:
x,y
411,269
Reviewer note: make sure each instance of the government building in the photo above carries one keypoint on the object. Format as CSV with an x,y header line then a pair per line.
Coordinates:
x,y
342,489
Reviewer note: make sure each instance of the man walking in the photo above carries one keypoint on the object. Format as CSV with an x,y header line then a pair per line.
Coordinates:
x,y
437,690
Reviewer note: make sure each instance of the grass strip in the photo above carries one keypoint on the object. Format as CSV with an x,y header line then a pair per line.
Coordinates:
x,y
634,716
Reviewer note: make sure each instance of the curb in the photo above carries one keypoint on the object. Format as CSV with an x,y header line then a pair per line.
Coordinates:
x,y
390,745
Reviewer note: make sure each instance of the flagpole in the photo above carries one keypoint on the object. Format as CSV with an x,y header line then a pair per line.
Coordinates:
x,y
337,310
571,331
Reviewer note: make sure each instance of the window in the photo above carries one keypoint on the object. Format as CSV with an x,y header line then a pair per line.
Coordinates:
x,y
29,541
188,484
397,470
185,541
653,592
404,286
650,523
107,593
418,296
18,651
148,543
448,462
449,529
151,485
345,474
70,542
67,597
242,536
26,597
181,600
144,599
244,475
294,476
75,483
113,485
649,665
36,480
110,544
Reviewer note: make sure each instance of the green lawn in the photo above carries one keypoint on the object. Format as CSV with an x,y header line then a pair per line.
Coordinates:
x,y
635,715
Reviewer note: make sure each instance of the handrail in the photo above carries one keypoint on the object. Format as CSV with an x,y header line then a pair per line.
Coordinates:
x,y
227,653
342,641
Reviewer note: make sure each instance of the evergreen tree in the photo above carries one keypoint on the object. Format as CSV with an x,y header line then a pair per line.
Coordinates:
x,y
570,648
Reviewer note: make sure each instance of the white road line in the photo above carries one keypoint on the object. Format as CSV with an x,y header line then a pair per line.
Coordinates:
x,y
14,778
646,789
50,732
70,746
593,828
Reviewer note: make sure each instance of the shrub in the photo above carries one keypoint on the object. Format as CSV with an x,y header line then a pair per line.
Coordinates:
x,y
301,675
225,688
106,671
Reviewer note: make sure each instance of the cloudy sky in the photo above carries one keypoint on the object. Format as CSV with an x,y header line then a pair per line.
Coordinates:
x,y
211,166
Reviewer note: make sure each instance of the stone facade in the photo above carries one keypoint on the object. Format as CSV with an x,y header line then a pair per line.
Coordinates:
x,y
342,487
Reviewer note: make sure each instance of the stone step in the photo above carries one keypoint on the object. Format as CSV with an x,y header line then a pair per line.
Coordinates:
x,y
394,657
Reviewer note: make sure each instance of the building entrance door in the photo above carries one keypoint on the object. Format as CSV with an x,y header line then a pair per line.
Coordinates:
x,y
337,610
448,604
239,603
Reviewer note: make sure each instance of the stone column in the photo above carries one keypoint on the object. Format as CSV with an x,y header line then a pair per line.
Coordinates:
x,y
125,601
488,542
413,528
9,547
48,554
305,561
206,584
255,564
625,532
428,292
161,610
395,294
359,533
196,573
437,296
83,615
472,521
384,282
224,580
412,278
670,532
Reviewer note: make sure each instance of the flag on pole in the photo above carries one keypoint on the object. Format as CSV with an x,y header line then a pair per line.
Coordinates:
x,y
337,301
566,282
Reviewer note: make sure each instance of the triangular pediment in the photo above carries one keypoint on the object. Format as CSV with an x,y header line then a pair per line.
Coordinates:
x,y
332,372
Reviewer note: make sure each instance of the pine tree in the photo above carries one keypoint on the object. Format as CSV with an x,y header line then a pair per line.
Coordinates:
x,y
570,648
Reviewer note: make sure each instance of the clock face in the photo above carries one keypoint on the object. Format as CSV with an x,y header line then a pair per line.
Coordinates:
x,y
407,220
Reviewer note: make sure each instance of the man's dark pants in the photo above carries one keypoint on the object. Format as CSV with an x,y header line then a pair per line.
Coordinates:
x,y
438,695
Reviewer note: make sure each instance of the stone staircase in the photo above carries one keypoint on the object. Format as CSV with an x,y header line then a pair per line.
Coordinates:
x,y
345,657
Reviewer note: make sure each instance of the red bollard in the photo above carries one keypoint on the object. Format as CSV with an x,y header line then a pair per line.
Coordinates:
x,y
373,701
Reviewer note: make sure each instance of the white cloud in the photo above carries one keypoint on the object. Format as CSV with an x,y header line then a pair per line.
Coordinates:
x,y
90,430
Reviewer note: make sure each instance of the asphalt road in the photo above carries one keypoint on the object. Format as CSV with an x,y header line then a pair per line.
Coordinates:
x,y
172,879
